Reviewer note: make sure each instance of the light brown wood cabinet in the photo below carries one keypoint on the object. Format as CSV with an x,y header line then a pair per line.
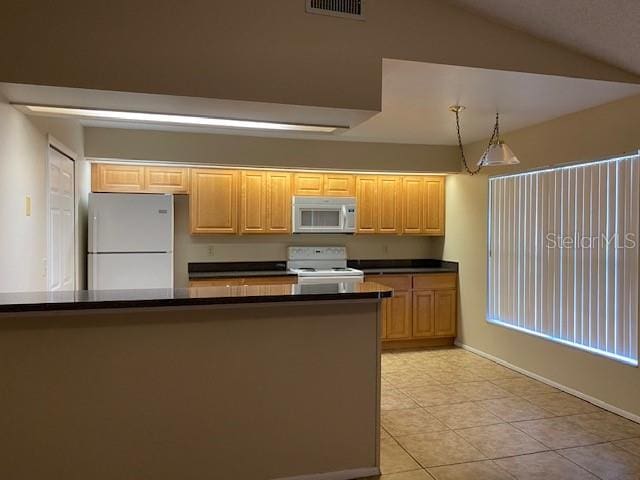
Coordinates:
x,y
367,195
265,203
422,310
397,316
433,205
278,202
113,178
327,184
339,185
387,204
166,179
308,184
379,204
122,178
213,203
253,202
423,314
423,205
445,313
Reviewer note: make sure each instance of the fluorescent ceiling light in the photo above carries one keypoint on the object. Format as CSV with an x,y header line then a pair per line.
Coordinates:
x,y
177,119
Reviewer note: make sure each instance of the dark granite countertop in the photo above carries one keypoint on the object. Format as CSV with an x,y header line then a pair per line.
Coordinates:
x,y
272,269
237,269
103,299
379,267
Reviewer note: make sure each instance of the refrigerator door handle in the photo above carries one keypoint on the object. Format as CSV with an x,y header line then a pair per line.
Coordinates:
x,y
94,269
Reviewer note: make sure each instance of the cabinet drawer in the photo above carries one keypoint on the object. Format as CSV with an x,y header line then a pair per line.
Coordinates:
x,y
397,282
434,281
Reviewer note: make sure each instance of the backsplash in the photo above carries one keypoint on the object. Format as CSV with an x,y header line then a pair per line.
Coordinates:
x,y
235,248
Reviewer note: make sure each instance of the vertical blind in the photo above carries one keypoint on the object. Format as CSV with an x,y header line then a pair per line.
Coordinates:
x,y
563,255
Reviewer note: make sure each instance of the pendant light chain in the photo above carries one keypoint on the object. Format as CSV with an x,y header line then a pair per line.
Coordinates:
x,y
495,136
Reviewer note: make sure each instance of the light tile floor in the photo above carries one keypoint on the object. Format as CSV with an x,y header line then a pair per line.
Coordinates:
x,y
448,414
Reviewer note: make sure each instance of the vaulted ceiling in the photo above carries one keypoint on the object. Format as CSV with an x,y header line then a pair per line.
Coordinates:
x,y
606,30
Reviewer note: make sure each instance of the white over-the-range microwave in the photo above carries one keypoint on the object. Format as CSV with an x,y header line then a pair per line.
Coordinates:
x,y
324,214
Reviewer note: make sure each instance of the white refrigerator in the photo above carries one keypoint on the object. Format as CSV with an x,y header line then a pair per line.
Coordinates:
x,y
130,241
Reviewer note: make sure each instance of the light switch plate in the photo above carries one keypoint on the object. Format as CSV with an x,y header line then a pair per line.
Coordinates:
x,y
27,206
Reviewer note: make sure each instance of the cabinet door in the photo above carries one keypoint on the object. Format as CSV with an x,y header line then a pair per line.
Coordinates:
x,y
412,205
166,179
106,177
278,201
389,204
213,203
339,185
445,313
367,201
434,206
398,316
308,184
423,314
253,202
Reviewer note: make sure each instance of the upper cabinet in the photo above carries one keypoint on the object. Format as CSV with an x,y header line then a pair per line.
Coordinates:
x,y
379,204
308,184
434,206
327,184
259,201
389,204
107,177
265,202
166,179
123,178
423,205
367,208
278,202
339,185
213,205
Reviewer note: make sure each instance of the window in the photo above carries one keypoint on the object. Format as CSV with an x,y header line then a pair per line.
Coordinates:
x,y
563,255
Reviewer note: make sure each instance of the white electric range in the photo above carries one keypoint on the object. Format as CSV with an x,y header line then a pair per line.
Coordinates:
x,y
321,265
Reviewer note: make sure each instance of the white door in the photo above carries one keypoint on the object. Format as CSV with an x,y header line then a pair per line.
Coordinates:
x,y
61,222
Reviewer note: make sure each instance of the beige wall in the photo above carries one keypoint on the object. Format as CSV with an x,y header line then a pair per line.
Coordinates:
x,y
602,131
234,248
23,157
234,392
245,150
262,51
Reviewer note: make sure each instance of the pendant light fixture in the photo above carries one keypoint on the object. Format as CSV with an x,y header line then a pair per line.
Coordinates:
x,y
497,152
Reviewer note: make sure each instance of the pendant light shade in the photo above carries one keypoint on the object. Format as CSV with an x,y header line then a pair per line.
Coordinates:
x,y
498,154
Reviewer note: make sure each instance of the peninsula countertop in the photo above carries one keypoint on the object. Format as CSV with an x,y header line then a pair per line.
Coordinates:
x,y
244,294
212,270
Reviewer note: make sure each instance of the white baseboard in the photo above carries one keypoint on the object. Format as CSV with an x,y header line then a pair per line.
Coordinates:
x,y
564,388
339,475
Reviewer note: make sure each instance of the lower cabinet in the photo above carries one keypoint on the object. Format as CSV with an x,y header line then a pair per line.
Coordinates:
x,y
397,315
423,314
422,309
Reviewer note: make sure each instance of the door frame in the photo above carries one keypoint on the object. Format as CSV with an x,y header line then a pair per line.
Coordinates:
x,y
54,143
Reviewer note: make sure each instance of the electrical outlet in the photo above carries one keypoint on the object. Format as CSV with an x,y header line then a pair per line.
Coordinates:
x,y
385,248
210,251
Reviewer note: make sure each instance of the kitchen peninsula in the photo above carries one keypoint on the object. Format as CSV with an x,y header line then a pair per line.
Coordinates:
x,y
242,382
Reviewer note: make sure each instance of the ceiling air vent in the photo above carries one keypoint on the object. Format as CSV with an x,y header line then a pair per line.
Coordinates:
x,y
338,8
